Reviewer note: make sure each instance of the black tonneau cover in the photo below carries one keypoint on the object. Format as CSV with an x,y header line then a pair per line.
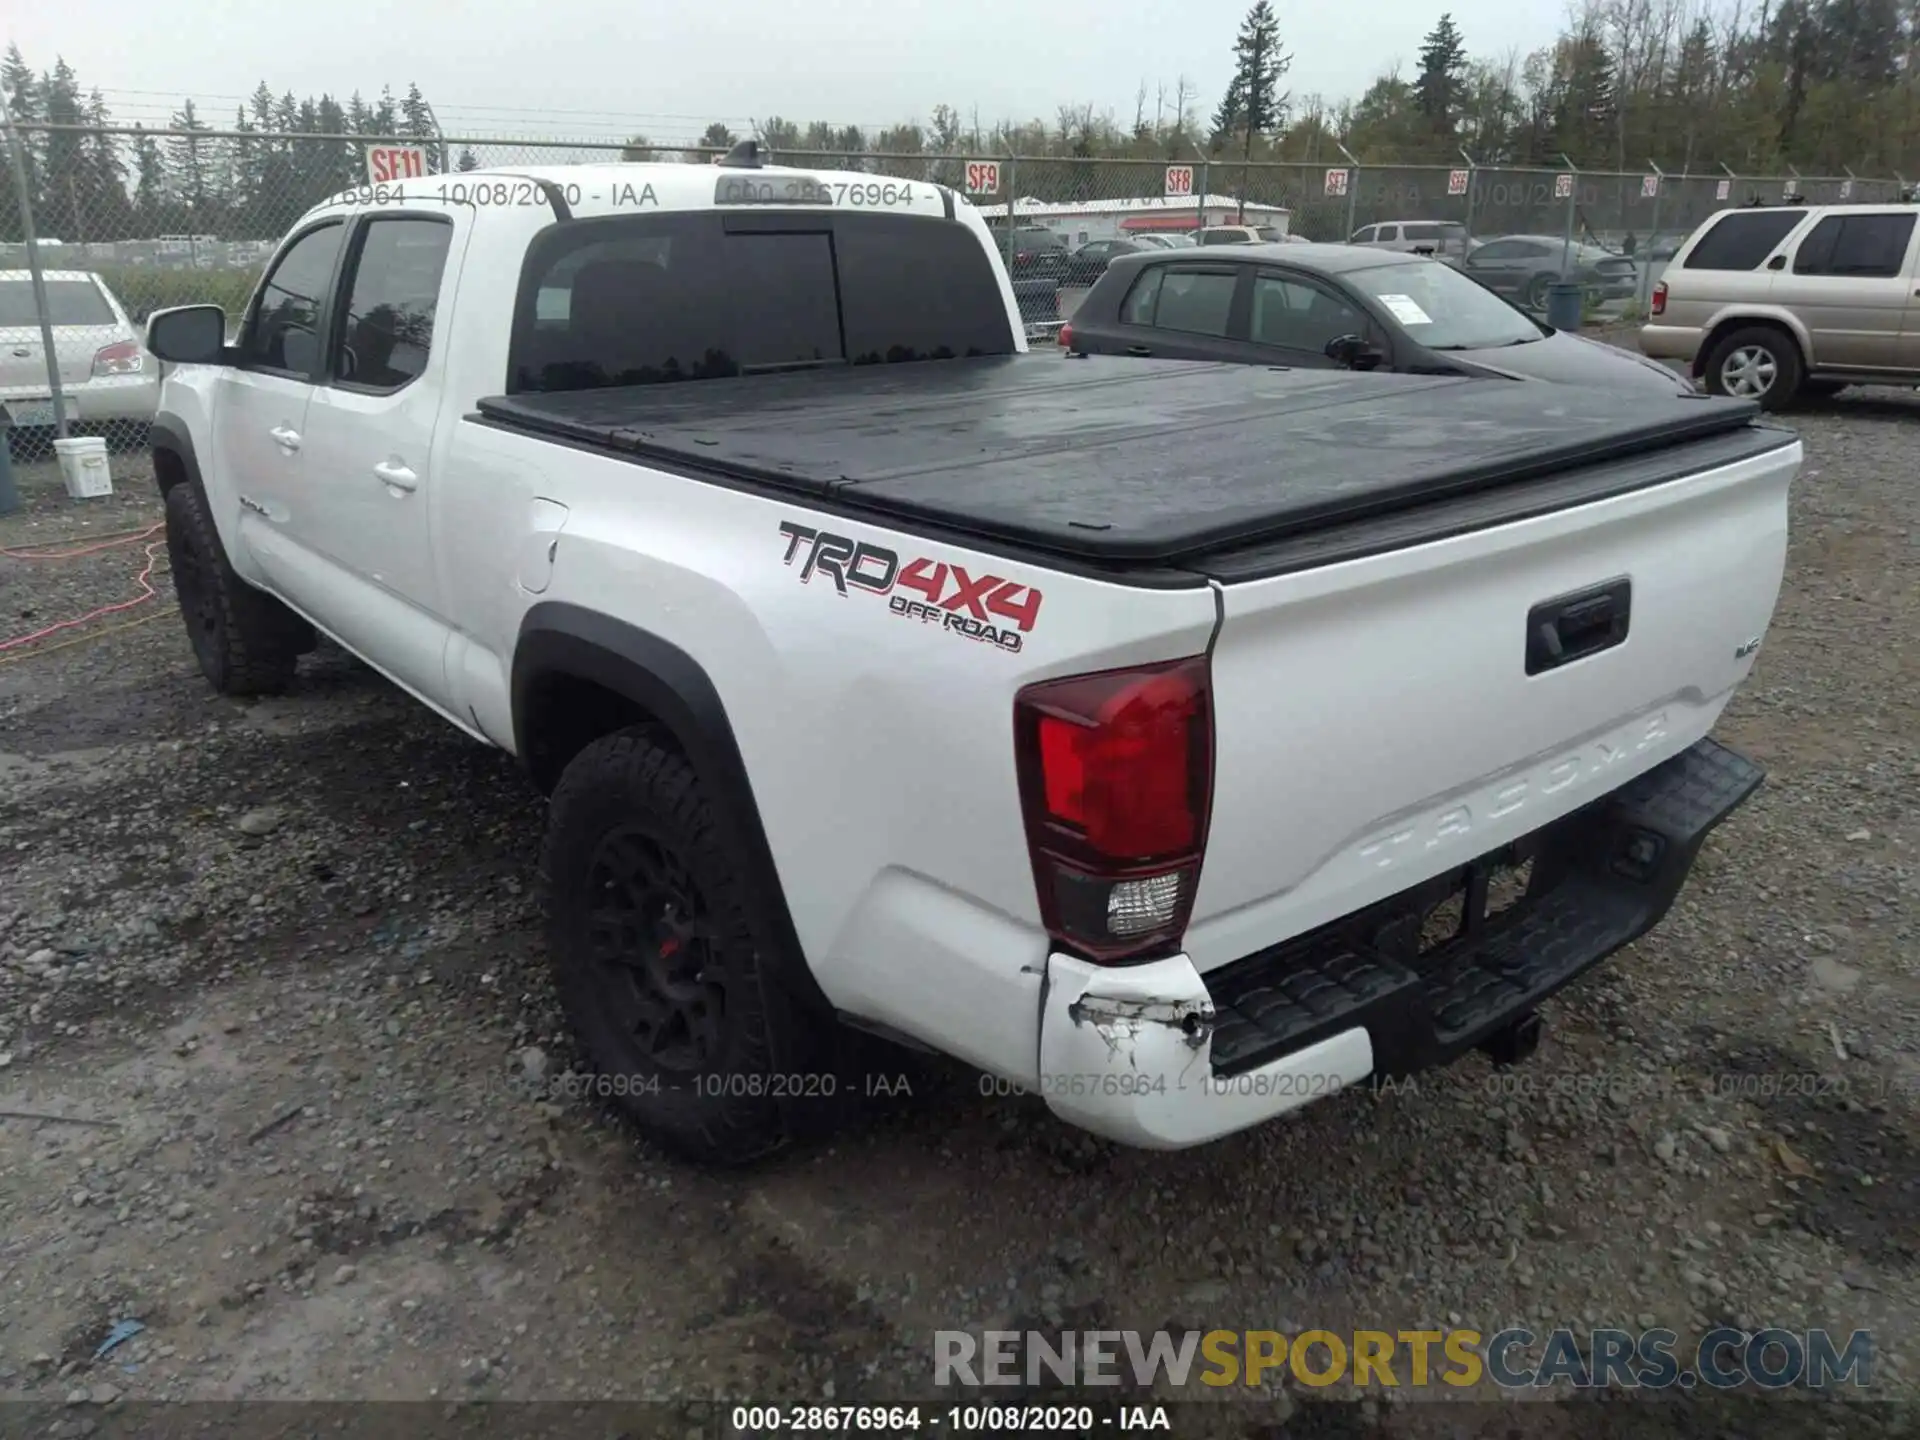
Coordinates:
x,y
1108,459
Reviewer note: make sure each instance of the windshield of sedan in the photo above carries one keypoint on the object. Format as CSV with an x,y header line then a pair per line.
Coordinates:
x,y
1442,309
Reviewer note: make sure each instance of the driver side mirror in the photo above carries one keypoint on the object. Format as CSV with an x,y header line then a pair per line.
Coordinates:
x,y
1354,352
188,335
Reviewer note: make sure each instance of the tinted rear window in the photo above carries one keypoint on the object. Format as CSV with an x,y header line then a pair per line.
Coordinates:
x,y
69,302
1742,241
1874,245
647,299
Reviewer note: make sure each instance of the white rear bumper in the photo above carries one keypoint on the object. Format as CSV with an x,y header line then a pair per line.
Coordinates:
x,y
1125,1051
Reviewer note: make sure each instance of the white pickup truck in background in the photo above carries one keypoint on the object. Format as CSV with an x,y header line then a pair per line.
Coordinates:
x,y
1131,730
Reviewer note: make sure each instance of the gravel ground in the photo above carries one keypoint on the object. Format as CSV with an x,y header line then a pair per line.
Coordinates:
x,y
277,967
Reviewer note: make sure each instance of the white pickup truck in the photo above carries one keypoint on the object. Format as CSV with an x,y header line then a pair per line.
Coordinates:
x,y
1181,742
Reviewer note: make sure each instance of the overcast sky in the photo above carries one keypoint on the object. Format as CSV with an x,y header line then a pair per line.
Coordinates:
x,y
665,67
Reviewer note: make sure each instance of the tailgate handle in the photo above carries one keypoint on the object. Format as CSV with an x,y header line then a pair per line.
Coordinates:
x,y
1572,627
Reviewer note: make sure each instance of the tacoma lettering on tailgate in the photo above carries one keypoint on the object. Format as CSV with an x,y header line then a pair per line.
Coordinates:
x,y
950,596
1444,827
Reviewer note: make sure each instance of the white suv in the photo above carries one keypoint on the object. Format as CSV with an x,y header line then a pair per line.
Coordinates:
x,y
1443,239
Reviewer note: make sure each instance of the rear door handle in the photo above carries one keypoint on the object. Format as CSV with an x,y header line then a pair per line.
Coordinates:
x,y
393,473
1574,626
285,438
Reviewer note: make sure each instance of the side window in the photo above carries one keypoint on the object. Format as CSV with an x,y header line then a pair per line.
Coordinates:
x,y
1296,314
1741,241
1137,308
283,333
1195,302
1864,245
1362,236
386,330
1497,250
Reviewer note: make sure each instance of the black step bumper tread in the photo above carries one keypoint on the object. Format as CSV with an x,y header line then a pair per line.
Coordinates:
x,y
1602,878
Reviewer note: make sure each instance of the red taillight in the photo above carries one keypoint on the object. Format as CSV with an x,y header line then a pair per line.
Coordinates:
x,y
1660,298
1116,782
1066,334
124,358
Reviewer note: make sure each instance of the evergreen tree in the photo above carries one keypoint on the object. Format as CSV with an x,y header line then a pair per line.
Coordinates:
x,y
188,164
23,108
1253,105
417,124
59,214
1440,89
717,136
149,183
469,161
1587,103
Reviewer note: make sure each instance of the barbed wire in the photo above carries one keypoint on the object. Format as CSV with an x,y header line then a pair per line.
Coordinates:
x,y
137,219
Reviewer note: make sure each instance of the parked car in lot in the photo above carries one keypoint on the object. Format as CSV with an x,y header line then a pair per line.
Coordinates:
x,y
1166,240
1321,306
1523,266
1039,302
1036,252
1119,728
1241,235
107,379
1776,302
1090,261
1445,239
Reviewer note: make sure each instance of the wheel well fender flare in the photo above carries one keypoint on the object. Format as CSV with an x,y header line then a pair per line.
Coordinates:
x,y
563,641
164,433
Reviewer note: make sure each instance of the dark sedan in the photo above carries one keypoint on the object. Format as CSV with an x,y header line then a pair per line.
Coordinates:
x,y
1335,305
1036,252
1523,266
1090,261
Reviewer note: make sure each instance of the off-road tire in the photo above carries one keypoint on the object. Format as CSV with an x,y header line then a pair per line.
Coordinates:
x,y
246,641
1780,351
766,1071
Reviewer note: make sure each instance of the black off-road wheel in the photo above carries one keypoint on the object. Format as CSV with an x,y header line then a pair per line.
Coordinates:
x,y
690,1012
247,642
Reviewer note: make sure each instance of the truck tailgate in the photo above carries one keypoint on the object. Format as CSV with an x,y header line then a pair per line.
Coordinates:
x,y
1377,724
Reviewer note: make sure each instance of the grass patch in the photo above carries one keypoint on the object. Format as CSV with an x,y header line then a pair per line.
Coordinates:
x,y
144,289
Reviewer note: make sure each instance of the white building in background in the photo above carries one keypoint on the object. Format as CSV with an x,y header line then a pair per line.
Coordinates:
x,y
1079,222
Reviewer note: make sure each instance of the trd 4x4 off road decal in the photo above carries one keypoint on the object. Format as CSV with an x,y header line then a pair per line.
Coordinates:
x,y
950,597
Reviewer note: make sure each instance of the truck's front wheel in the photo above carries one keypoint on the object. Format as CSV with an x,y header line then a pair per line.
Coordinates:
x,y
658,965
247,642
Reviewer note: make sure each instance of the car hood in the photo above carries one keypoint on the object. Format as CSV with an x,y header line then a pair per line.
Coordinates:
x,y
1575,360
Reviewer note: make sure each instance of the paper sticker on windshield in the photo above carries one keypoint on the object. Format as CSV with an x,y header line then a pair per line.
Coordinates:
x,y
1406,310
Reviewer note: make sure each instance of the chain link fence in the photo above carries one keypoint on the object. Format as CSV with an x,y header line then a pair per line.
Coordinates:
x,y
129,221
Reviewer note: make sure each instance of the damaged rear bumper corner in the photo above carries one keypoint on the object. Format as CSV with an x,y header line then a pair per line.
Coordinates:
x,y
1126,1052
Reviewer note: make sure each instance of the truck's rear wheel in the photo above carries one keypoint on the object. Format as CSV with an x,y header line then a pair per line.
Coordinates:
x,y
247,642
676,997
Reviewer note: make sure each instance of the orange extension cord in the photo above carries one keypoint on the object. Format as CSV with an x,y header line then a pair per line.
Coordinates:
x,y
109,542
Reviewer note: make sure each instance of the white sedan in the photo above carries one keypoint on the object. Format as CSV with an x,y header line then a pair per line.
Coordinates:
x,y
106,375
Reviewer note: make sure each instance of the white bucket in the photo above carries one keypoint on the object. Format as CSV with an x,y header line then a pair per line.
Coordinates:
x,y
83,466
